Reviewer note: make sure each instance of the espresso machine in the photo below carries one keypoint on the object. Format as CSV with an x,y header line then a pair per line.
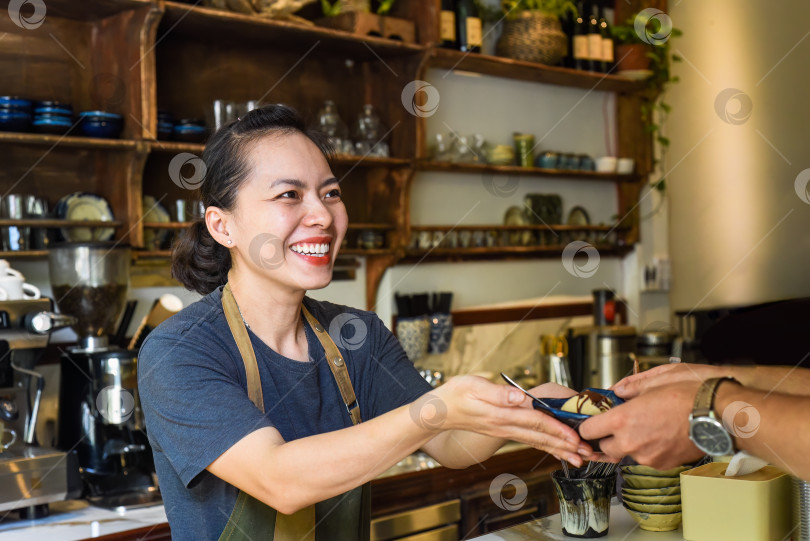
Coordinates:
x,y
601,354
31,476
99,410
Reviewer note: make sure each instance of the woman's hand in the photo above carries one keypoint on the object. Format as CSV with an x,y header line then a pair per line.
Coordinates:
x,y
634,385
474,404
653,427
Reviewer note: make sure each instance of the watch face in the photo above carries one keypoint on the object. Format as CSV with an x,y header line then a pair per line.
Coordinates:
x,y
711,437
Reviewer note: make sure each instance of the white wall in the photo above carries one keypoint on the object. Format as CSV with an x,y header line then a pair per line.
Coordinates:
x,y
738,229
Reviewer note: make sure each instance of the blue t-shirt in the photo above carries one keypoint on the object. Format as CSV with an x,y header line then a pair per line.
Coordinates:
x,y
193,391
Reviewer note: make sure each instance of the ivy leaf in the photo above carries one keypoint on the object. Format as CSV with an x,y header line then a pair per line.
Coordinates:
x,y
663,140
661,185
667,108
385,7
330,10
676,58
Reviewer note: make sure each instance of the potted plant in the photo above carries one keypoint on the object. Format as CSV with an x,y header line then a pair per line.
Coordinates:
x,y
532,30
640,57
355,16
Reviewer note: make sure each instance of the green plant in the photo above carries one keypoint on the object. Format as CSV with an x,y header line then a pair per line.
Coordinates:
x,y
654,108
557,8
330,10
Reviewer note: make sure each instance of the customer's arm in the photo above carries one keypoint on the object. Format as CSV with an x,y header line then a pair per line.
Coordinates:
x,y
653,427
782,379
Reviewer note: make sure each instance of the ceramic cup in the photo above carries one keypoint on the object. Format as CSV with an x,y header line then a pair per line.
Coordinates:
x,y
624,166
524,149
13,288
441,332
414,335
606,164
584,503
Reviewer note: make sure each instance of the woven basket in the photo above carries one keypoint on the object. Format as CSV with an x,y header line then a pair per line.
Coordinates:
x,y
533,36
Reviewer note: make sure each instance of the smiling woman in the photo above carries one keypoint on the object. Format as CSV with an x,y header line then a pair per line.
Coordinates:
x,y
261,426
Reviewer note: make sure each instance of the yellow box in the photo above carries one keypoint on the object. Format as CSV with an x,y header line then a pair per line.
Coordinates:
x,y
753,507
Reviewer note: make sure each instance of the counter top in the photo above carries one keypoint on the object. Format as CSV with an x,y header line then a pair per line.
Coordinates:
x,y
622,528
76,519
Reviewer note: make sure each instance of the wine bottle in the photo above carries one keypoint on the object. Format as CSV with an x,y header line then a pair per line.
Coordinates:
x,y
594,41
607,43
468,27
567,23
579,39
447,25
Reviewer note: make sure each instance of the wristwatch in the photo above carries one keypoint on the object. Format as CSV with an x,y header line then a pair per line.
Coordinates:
x,y
705,429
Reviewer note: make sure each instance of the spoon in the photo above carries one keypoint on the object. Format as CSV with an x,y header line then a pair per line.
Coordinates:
x,y
527,393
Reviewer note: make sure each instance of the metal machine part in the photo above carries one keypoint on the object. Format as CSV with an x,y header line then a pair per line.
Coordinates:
x,y
437,522
599,355
31,477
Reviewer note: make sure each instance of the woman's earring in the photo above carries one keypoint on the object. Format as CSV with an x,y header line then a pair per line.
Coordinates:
x,y
230,241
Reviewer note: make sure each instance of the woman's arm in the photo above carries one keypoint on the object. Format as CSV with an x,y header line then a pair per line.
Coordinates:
x,y
459,449
291,475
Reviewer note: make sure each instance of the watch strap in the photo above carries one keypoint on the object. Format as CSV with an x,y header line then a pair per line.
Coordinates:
x,y
704,400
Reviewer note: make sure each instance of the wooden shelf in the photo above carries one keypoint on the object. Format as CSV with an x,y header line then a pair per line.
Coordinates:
x,y
201,23
500,253
174,147
166,225
87,10
498,227
529,71
51,223
379,227
364,252
166,254
74,141
449,167
24,254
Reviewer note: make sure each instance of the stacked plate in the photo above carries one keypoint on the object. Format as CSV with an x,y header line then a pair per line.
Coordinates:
x,y
653,497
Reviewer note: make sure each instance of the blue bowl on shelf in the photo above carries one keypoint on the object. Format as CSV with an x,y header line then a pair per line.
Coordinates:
x,y
15,104
190,133
54,108
101,124
15,121
52,125
164,130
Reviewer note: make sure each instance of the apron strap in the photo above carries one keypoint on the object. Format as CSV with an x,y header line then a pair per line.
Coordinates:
x,y
237,326
338,366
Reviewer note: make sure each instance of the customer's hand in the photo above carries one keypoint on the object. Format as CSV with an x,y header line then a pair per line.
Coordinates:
x,y
475,404
634,385
653,427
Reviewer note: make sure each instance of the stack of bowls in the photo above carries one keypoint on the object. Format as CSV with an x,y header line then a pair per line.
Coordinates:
x,y
165,125
190,130
52,117
101,124
653,497
15,114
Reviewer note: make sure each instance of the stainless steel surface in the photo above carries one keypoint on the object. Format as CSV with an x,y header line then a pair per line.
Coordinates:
x,y
47,322
606,351
31,423
416,521
801,510
16,334
448,533
32,476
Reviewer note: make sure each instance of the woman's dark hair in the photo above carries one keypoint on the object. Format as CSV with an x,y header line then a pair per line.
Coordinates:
x,y
198,261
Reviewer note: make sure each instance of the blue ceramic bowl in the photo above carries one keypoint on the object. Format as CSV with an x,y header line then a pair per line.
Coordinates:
x,y
15,121
164,130
52,125
190,133
573,419
15,104
101,124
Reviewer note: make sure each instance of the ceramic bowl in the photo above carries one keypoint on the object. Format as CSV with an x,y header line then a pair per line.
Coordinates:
x,y
606,164
625,166
648,481
14,121
657,508
190,133
653,522
666,491
646,470
51,125
674,498
15,104
101,124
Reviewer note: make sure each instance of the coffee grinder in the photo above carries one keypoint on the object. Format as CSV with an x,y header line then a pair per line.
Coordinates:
x,y
99,410
31,476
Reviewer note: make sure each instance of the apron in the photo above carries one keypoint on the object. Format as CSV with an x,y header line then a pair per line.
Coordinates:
x,y
346,516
